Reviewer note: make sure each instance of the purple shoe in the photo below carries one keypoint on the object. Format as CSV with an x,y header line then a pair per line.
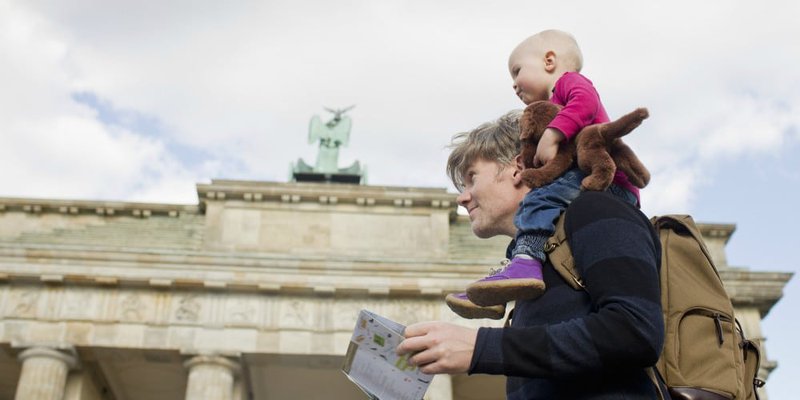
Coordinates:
x,y
460,304
521,279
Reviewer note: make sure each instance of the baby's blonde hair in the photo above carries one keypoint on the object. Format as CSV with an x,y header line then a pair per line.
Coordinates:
x,y
562,43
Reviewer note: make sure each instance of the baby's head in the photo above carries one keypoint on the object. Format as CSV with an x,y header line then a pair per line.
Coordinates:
x,y
538,62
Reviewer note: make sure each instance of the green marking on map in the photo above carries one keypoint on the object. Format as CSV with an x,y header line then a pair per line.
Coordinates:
x,y
402,364
379,340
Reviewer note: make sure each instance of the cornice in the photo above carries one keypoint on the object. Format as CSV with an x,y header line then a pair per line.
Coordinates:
x,y
249,191
714,230
94,207
325,193
759,289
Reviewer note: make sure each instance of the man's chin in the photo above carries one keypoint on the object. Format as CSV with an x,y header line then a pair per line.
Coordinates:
x,y
481,233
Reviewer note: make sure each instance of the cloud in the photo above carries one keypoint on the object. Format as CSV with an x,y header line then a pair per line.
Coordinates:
x,y
230,89
55,146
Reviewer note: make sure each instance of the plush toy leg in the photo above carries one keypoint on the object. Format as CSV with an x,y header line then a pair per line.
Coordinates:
x,y
596,143
633,168
625,124
594,159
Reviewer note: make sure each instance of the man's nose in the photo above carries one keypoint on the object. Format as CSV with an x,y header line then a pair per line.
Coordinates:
x,y
463,198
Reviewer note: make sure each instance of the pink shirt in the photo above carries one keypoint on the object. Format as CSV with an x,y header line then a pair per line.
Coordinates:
x,y
582,107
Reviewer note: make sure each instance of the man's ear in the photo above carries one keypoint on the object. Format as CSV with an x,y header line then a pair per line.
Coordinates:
x,y
550,61
518,164
516,174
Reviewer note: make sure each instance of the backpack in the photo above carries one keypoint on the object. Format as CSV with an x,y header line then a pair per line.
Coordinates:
x,y
705,354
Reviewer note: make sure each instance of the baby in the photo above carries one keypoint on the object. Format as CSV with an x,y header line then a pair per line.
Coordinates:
x,y
545,66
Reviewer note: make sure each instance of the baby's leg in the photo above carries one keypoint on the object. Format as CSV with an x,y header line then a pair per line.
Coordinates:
x,y
535,222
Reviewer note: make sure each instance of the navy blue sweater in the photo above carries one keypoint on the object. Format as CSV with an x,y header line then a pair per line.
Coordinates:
x,y
592,344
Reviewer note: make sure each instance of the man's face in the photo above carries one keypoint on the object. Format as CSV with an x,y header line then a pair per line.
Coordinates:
x,y
491,198
531,80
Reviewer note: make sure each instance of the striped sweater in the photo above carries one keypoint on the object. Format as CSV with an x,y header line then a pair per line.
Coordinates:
x,y
592,344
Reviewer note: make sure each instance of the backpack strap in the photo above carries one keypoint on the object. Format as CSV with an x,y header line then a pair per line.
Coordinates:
x,y
560,255
657,381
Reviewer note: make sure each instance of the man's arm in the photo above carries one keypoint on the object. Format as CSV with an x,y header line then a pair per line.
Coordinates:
x,y
617,254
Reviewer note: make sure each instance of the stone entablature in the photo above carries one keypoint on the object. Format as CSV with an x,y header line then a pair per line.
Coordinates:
x,y
196,321
330,220
93,207
325,193
755,289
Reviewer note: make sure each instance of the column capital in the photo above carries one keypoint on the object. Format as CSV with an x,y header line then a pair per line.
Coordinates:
x,y
212,359
67,355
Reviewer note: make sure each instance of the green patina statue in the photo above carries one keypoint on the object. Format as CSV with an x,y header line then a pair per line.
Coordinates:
x,y
331,136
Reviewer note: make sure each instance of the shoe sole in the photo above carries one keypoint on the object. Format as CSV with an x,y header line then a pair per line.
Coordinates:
x,y
491,293
469,310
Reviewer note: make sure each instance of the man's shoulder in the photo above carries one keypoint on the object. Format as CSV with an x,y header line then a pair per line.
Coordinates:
x,y
591,207
589,203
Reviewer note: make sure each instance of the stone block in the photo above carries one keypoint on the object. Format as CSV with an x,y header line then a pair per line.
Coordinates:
x,y
78,333
155,337
294,342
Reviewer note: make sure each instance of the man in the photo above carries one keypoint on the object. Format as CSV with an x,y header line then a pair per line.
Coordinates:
x,y
567,344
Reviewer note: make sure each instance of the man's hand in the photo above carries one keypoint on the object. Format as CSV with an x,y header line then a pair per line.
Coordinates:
x,y
548,147
439,347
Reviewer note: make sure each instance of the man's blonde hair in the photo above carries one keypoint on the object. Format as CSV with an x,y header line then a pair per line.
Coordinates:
x,y
496,141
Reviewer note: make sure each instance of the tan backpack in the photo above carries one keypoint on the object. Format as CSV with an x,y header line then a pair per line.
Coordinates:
x,y
705,354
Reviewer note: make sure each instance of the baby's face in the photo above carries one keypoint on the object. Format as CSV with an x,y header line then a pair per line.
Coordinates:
x,y
531,80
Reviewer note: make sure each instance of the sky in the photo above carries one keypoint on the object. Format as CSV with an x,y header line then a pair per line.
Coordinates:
x,y
140,101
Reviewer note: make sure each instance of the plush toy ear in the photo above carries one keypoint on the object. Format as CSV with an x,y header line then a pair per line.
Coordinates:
x,y
535,119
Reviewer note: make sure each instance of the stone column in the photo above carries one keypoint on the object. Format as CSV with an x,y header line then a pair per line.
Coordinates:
x,y
441,388
211,377
238,390
44,373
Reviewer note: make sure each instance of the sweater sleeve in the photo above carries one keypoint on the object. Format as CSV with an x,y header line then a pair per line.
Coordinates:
x,y
581,104
617,253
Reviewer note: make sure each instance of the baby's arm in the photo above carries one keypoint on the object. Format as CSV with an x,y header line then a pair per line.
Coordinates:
x,y
581,103
547,148
581,106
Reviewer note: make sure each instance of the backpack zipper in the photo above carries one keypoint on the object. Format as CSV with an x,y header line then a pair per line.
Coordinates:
x,y
718,323
718,318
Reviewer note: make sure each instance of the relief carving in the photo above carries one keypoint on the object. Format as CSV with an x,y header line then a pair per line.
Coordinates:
x,y
26,303
77,304
240,311
188,308
409,311
295,314
345,313
131,307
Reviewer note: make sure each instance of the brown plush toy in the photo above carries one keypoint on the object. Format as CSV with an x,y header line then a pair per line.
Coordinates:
x,y
598,148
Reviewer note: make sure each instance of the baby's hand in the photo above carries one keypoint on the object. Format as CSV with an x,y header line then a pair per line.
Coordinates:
x,y
548,147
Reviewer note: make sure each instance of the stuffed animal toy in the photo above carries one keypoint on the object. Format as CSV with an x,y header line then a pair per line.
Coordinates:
x,y
598,148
